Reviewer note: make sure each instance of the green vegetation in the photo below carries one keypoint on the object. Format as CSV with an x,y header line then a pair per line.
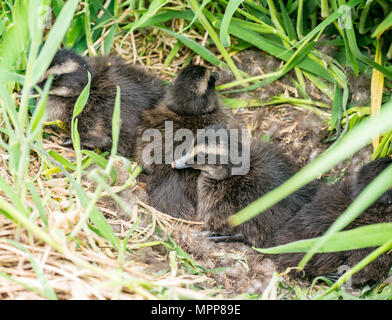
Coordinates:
x,y
38,182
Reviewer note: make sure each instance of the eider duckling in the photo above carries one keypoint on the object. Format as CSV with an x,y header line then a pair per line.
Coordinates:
x,y
139,91
222,192
317,216
191,103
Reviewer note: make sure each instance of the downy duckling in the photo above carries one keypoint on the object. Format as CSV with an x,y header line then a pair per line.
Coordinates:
x,y
191,103
223,192
317,216
139,91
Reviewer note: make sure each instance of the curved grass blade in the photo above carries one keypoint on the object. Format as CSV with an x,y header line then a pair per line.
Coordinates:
x,y
203,4
21,216
38,118
54,39
116,122
37,202
214,36
48,292
193,45
79,105
163,17
152,10
67,164
96,216
102,162
349,31
223,32
360,265
363,237
376,88
383,26
272,48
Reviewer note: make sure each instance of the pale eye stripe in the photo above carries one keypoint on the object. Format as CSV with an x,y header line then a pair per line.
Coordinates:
x,y
66,67
203,83
218,150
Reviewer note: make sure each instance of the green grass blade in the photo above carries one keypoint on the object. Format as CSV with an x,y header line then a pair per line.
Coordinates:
x,y
360,265
37,202
96,216
54,39
288,25
67,164
48,292
7,75
79,105
278,51
102,162
223,32
336,107
163,17
383,26
152,10
214,36
38,118
108,42
193,45
363,237
116,122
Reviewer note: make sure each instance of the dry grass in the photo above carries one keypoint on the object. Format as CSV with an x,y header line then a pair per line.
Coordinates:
x,y
88,268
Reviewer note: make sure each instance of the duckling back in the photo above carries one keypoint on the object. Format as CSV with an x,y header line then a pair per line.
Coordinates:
x,y
317,216
139,91
269,168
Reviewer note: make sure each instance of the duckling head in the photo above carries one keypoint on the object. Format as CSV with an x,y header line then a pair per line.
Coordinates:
x,y
70,76
193,91
210,153
367,174
69,72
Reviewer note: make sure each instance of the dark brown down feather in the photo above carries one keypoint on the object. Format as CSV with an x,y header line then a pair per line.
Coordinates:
x,y
139,91
174,191
317,216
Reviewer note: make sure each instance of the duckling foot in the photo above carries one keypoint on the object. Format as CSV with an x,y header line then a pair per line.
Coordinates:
x,y
216,237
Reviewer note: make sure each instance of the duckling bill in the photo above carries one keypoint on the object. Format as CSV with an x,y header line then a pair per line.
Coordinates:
x,y
139,91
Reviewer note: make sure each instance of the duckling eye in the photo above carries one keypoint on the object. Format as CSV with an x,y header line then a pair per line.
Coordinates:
x,y
214,76
56,76
201,154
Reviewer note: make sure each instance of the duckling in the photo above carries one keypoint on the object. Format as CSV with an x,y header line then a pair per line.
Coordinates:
x,y
222,192
139,91
191,103
314,219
